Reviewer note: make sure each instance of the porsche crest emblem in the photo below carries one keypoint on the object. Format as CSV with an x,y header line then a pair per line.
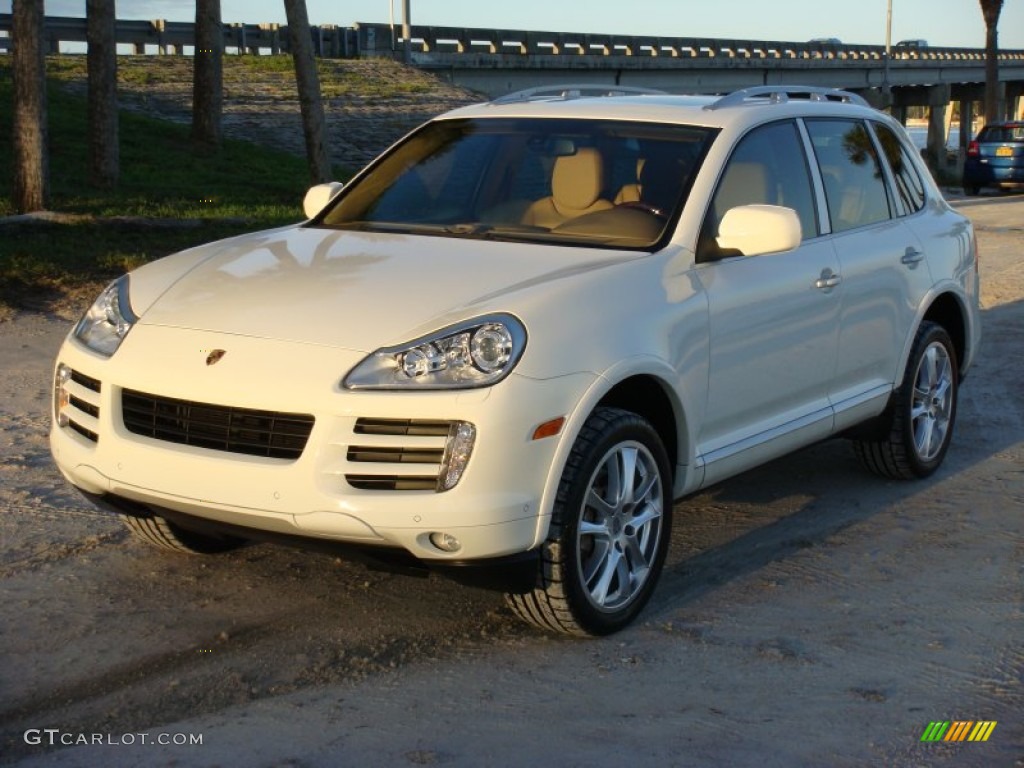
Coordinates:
x,y
215,356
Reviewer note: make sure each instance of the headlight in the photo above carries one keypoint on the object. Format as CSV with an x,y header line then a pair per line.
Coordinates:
x,y
476,353
108,320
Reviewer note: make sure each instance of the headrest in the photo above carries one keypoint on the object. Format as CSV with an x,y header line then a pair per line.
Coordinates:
x,y
577,180
661,181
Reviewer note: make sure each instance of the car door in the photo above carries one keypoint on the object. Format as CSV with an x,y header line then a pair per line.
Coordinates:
x,y
773,319
884,273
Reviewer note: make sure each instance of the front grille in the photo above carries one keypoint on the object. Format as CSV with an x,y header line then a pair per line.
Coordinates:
x,y
398,454
218,427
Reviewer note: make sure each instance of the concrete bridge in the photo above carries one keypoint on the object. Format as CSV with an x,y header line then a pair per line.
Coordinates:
x,y
498,61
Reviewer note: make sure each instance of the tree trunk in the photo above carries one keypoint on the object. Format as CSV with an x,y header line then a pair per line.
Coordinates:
x,y
104,154
28,65
313,124
990,10
208,75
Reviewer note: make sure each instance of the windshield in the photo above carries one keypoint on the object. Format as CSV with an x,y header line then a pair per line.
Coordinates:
x,y
592,182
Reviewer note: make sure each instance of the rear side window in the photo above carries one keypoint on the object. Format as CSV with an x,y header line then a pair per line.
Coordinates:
x,y
910,195
851,172
768,166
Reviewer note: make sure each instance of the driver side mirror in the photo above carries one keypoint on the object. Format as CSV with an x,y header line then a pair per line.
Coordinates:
x,y
318,197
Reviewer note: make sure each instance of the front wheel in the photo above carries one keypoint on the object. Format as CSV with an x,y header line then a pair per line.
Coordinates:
x,y
609,529
922,413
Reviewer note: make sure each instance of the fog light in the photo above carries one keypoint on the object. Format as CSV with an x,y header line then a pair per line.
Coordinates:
x,y
457,451
445,542
61,396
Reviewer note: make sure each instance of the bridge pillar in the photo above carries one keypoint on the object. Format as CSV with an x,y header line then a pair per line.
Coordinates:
x,y
966,123
938,97
1015,100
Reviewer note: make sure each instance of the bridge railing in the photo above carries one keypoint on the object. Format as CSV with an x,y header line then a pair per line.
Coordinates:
x,y
383,40
372,39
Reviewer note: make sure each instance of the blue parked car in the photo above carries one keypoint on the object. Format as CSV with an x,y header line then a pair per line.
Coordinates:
x,y
995,158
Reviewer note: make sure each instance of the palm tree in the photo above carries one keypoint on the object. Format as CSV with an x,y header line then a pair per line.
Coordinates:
x,y
208,75
104,155
990,10
28,69
313,124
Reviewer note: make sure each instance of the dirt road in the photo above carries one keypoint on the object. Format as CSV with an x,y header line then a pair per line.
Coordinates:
x,y
810,615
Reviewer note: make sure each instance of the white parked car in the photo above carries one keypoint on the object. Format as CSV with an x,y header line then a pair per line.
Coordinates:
x,y
522,333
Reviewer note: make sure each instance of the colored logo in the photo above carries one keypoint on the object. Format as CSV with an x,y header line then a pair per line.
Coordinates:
x,y
959,730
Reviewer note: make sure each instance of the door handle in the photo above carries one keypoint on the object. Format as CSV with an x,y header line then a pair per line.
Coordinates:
x,y
828,280
912,257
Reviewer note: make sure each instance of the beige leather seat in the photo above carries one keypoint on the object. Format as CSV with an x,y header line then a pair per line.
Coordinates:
x,y
576,184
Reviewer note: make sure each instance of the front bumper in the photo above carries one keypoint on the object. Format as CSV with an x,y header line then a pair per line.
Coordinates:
x,y
495,510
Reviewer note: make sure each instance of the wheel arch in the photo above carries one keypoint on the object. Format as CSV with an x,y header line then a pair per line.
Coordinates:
x,y
649,396
948,311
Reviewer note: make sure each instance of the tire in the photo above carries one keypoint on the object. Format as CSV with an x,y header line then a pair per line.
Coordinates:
x,y
607,540
922,413
160,532
972,190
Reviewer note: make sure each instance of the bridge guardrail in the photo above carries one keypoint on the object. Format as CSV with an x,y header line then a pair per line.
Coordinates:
x,y
373,39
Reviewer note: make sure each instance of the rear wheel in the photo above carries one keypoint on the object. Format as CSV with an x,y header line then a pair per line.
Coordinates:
x,y
609,530
922,413
972,189
160,532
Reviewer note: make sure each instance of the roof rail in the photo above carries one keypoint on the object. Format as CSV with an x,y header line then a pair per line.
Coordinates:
x,y
567,92
779,94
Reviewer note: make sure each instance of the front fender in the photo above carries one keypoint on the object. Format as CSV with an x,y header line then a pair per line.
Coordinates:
x,y
683,400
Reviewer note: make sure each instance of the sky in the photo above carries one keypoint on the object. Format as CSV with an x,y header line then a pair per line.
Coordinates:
x,y
955,23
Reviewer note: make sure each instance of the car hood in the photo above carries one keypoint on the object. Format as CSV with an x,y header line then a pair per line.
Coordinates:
x,y
354,290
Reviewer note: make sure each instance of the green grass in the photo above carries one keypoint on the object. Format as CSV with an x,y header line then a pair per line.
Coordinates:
x,y
239,188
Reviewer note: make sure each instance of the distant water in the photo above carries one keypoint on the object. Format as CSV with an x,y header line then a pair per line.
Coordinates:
x,y
919,135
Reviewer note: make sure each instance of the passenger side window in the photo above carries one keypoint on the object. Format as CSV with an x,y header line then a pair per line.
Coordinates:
x,y
768,166
855,189
910,195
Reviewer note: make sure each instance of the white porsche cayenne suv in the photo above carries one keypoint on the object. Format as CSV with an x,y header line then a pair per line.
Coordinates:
x,y
514,340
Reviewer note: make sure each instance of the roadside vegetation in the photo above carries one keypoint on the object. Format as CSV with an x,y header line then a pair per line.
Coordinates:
x,y
170,196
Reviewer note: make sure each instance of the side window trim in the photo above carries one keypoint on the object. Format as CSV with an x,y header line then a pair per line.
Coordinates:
x,y
820,201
